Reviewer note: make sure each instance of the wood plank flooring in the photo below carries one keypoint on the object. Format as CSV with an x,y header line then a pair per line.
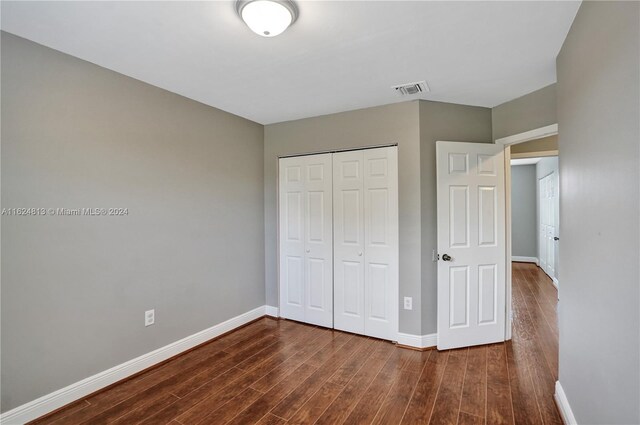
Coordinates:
x,y
282,372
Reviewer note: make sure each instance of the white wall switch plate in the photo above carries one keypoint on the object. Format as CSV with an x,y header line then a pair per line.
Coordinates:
x,y
408,301
149,317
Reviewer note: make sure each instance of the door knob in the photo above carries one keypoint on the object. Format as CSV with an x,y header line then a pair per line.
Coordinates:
x,y
555,238
446,257
359,253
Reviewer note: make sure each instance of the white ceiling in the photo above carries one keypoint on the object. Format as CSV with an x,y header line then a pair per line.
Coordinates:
x,y
337,56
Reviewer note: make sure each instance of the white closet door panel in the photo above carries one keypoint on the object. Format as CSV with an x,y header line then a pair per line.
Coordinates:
x,y
292,239
339,241
293,271
318,240
381,242
306,246
348,222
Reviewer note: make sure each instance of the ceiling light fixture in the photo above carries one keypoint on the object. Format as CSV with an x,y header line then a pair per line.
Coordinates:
x,y
267,18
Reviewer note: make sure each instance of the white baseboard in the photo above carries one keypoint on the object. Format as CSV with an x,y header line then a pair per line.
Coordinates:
x,y
50,402
563,406
524,259
272,311
418,341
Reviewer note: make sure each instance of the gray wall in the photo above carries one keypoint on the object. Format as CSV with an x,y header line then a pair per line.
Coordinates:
x,y
537,146
415,126
397,123
599,311
524,207
531,111
74,289
446,122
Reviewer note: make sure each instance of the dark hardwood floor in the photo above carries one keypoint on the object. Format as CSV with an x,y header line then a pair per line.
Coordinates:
x,y
277,372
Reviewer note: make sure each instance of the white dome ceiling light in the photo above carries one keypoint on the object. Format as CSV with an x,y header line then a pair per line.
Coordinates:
x,y
267,18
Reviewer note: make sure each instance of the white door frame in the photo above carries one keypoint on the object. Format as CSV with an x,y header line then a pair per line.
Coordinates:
x,y
527,136
288,155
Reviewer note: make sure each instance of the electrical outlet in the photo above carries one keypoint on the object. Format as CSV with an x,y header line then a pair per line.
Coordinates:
x,y
408,301
149,317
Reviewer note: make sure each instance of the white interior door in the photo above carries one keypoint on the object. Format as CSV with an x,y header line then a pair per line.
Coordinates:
x,y
542,228
471,244
366,242
306,245
348,239
547,193
552,230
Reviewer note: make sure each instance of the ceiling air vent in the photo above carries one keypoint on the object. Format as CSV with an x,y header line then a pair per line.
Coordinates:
x,y
411,88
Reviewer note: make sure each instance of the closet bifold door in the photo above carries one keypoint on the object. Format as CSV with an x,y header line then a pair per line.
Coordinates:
x,y
305,238
381,242
348,237
365,193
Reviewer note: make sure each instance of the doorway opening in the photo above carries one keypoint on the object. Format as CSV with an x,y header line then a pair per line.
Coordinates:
x,y
533,269
539,148
474,267
535,213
